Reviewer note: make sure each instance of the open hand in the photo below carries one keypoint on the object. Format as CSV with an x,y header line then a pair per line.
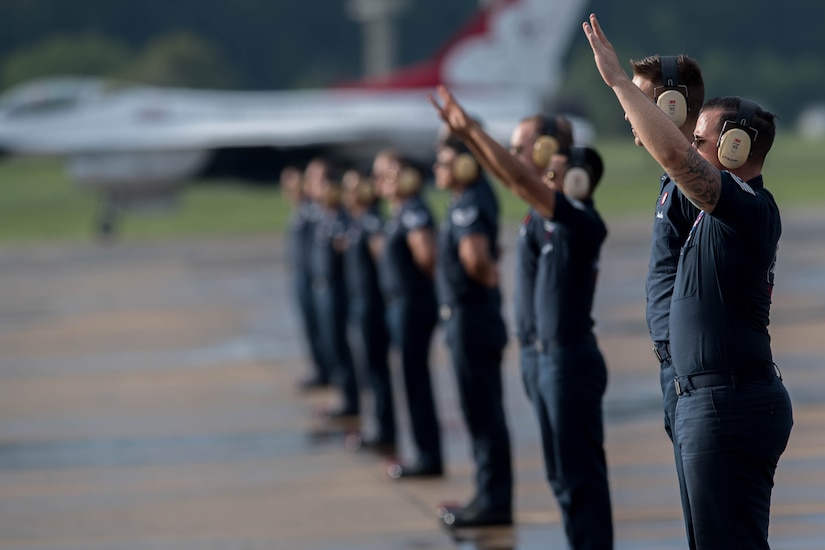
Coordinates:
x,y
606,59
451,112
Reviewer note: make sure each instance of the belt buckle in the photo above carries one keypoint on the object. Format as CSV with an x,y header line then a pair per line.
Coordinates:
x,y
445,312
657,354
678,386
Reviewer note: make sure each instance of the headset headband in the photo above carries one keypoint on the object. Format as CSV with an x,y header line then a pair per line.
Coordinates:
x,y
744,118
670,71
576,157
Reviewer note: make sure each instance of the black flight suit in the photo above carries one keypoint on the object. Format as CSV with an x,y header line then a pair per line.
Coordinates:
x,y
330,292
476,336
301,234
733,416
412,314
572,373
673,218
527,253
368,319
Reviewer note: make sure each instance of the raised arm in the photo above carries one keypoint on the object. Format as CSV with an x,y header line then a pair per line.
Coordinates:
x,y
699,180
494,158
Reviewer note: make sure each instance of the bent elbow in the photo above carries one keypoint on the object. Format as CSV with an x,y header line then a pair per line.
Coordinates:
x,y
673,160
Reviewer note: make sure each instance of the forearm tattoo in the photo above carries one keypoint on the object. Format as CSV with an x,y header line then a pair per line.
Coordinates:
x,y
698,180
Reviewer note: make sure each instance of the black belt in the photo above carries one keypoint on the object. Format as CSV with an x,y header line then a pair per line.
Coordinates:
x,y
662,352
684,384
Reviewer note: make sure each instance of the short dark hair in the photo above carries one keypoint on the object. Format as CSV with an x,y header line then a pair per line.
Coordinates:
x,y
332,170
764,122
554,125
690,75
454,143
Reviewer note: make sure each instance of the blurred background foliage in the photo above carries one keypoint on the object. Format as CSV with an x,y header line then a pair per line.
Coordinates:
x,y
772,52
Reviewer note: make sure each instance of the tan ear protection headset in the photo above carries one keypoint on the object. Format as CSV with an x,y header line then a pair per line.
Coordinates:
x,y
364,191
465,168
576,183
409,181
671,97
737,137
546,145
332,194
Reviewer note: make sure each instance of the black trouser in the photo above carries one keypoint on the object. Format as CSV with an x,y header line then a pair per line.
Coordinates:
x,y
331,309
669,399
411,323
372,340
305,301
572,381
529,364
731,437
476,340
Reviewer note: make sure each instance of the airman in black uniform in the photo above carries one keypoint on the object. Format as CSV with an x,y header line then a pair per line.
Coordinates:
x,y
406,269
675,83
367,314
572,375
528,251
733,415
301,229
470,306
328,283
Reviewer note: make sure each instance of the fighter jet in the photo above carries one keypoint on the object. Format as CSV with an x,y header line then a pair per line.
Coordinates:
x,y
132,142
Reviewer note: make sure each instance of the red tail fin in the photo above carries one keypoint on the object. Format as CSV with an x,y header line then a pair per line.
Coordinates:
x,y
506,43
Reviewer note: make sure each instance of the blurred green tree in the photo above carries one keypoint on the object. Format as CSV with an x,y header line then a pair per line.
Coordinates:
x,y
83,54
180,58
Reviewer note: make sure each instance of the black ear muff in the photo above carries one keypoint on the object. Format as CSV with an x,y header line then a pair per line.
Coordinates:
x,y
543,149
409,181
737,137
465,168
671,97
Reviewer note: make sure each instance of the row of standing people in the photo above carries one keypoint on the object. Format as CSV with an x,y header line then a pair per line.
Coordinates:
x,y
364,282
714,248
708,299
418,278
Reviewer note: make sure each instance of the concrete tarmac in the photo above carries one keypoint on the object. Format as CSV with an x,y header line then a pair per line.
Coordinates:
x,y
147,401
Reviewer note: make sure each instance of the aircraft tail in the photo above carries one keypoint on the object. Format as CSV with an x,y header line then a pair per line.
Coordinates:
x,y
507,43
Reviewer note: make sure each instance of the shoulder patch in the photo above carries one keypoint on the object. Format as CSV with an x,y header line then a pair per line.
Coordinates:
x,y
527,217
463,217
744,186
414,219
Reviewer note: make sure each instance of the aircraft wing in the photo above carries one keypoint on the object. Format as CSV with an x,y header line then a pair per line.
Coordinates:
x,y
501,65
